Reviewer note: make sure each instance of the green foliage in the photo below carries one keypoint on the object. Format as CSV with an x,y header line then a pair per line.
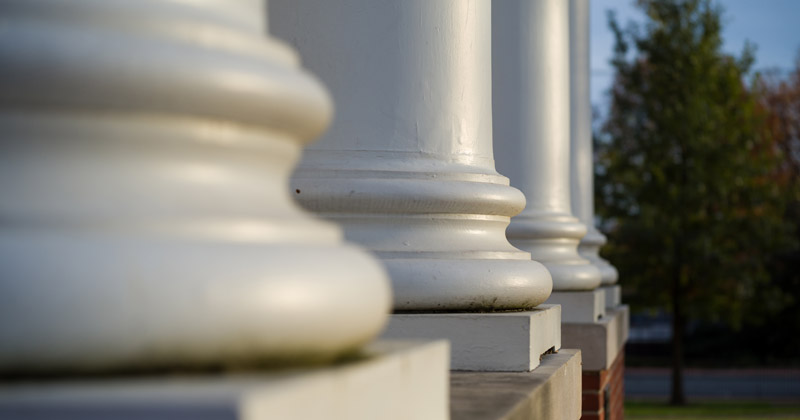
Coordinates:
x,y
686,178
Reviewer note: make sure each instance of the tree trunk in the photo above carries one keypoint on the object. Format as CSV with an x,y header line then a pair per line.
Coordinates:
x,y
677,395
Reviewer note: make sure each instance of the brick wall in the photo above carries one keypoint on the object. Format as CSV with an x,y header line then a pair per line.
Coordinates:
x,y
604,392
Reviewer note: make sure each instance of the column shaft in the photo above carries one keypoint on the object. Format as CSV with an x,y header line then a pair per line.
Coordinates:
x,y
531,129
582,158
407,168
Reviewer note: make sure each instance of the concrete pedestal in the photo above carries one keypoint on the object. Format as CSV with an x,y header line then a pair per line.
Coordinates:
x,y
599,341
502,341
580,307
550,392
613,295
392,380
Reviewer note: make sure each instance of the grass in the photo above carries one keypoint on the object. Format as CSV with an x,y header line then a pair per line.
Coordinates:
x,y
716,410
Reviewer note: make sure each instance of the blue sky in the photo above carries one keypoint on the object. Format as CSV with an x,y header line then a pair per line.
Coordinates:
x,y
772,25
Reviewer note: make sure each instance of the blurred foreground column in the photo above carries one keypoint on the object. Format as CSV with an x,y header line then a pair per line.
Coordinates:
x,y
146,225
407,169
531,130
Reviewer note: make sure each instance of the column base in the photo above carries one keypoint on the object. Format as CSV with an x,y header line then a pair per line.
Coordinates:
x,y
550,392
580,306
390,380
613,295
600,342
496,341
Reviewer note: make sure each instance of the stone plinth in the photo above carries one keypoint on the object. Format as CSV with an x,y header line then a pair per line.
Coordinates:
x,y
579,307
550,392
613,295
601,341
500,341
392,380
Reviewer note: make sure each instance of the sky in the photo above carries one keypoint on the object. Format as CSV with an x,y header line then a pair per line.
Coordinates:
x,y
772,25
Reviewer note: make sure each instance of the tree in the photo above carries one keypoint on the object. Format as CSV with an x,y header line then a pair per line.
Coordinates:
x,y
685,173
780,98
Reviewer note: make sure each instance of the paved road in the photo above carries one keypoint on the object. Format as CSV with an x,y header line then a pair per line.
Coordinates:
x,y
745,384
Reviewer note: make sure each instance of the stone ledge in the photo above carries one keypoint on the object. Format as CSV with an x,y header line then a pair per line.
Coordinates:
x,y
580,306
550,392
601,341
395,380
496,341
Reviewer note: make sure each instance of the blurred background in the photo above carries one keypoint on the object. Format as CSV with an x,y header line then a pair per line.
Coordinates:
x,y
697,144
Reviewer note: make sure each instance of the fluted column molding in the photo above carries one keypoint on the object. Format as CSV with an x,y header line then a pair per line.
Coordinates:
x,y
582,158
145,220
407,168
532,133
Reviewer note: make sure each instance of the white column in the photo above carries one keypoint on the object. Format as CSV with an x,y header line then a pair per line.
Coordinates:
x,y
582,158
407,168
145,154
530,40
601,341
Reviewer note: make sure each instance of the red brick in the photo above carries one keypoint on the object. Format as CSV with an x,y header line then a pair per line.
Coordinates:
x,y
603,377
592,401
616,409
595,380
596,383
591,381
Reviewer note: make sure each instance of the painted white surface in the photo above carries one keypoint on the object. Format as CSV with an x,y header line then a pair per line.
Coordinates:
x,y
500,341
600,342
580,306
146,150
407,167
582,158
613,295
396,381
531,100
